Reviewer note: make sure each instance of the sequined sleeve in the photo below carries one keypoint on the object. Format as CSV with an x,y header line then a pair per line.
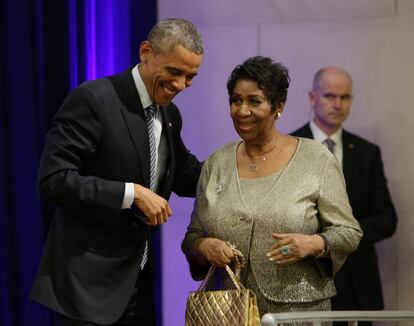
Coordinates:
x,y
340,228
194,229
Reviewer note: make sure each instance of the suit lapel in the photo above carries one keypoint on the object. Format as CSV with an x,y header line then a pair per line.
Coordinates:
x,y
134,117
306,131
167,125
348,148
139,134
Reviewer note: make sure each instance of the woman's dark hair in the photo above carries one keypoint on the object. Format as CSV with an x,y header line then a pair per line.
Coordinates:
x,y
271,77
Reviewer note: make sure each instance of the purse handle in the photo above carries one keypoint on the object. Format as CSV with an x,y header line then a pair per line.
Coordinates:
x,y
239,263
239,260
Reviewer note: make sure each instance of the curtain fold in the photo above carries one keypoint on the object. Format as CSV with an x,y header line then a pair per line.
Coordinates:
x,y
47,48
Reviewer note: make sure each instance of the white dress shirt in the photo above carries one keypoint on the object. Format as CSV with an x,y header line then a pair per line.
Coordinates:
x,y
161,143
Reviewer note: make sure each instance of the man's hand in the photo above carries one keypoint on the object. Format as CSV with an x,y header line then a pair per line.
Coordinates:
x,y
155,208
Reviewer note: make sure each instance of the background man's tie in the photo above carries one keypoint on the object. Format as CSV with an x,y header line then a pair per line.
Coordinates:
x,y
150,114
328,142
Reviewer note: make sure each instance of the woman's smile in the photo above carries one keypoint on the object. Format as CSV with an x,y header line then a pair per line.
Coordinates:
x,y
245,126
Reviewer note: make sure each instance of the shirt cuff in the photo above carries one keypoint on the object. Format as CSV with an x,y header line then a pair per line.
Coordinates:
x,y
128,195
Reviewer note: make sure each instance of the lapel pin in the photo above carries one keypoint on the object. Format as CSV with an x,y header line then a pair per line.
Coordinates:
x,y
351,146
169,124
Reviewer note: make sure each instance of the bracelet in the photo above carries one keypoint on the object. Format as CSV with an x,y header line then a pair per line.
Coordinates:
x,y
325,249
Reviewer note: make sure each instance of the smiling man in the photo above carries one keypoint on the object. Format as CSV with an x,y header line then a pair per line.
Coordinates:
x,y
110,163
358,283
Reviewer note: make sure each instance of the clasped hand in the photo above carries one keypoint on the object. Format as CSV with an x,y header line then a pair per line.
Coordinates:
x,y
216,252
156,209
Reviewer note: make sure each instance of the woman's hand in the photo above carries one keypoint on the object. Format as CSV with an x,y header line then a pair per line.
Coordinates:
x,y
216,251
292,247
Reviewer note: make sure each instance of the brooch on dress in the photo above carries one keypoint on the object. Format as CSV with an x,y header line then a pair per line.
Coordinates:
x,y
219,186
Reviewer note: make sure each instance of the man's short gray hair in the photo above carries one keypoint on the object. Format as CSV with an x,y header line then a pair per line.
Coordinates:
x,y
168,33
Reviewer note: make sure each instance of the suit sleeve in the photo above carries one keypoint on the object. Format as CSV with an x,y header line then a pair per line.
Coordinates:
x,y
188,167
380,221
340,228
64,177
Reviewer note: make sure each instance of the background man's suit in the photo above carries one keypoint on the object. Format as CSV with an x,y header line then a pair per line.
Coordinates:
x,y
372,207
94,248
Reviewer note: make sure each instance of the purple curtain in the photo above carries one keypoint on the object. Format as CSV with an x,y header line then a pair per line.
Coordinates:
x,y
47,48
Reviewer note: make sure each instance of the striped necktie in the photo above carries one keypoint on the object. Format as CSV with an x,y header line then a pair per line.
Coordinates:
x,y
150,114
149,118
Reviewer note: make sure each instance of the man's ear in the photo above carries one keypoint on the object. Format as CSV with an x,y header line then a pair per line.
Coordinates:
x,y
312,97
145,51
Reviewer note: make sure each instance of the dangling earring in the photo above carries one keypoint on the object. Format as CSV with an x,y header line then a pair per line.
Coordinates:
x,y
278,115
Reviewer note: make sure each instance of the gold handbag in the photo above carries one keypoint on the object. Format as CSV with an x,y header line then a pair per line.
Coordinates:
x,y
236,307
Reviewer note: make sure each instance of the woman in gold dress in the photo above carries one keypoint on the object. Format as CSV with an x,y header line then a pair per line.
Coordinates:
x,y
280,200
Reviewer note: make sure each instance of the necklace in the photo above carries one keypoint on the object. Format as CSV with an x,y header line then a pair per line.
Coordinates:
x,y
254,166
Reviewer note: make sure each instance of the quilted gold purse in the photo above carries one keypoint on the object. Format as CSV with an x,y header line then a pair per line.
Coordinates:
x,y
236,307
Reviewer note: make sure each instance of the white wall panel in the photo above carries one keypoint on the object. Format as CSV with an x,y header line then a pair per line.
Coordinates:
x,y
230,12
373,40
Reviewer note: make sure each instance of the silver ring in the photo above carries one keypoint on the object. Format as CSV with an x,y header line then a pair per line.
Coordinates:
x,y
285,250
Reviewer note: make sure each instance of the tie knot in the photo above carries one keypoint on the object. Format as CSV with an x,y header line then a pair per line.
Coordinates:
x,y
328,142
150,111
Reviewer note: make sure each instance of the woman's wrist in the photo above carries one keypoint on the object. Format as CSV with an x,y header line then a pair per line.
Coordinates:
x,y
197,253
325,250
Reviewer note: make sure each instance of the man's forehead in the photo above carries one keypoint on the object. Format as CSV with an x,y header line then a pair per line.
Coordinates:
x,y
335,86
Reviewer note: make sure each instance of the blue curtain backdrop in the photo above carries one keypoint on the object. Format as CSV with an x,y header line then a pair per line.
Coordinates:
x,y
47,48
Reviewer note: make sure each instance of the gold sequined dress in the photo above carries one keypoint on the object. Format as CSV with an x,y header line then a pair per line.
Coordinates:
x,y
307,196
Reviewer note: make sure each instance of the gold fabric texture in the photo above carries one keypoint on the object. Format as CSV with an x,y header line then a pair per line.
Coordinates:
x,y
236,307
307,196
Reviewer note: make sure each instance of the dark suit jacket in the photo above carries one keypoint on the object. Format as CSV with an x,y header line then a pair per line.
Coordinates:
x,y
372,206
99,141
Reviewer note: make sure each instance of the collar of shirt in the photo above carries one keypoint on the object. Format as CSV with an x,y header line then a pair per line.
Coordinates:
x,y
160,141
320,136
141,88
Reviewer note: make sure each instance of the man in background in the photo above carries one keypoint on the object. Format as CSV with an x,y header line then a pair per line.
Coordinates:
x,y
358,283
111,160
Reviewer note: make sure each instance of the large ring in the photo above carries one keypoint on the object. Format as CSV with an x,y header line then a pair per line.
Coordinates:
x,y
285,250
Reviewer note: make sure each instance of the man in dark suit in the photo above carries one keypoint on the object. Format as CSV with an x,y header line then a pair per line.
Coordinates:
x,y
358,282
110,163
